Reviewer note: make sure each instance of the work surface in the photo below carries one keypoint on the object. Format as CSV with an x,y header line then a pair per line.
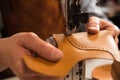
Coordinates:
x,y
90,65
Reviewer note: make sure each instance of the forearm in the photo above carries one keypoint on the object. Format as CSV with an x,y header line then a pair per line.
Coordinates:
x,y
115,70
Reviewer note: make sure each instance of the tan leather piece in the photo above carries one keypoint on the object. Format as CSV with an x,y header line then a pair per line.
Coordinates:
x,y
102,72
77,47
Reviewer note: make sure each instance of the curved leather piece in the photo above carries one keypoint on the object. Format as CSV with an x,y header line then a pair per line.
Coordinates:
x,y
77,47
102,73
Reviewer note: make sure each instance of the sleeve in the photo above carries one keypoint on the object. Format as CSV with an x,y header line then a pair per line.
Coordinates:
x,y
1,23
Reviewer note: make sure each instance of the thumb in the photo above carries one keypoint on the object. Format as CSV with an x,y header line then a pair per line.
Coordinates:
x,y
93,25
45,50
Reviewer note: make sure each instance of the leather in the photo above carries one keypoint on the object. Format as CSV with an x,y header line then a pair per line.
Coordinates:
x,y
102,73
76,47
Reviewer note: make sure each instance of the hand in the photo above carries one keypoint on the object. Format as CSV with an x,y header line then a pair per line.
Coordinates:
x,y
12,50
96,24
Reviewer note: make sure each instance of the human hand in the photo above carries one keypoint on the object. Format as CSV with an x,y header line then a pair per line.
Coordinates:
x,y
96,24
12,50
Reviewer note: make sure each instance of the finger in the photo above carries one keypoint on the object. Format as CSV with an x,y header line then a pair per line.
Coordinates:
x,y
20,68
45,50
93,25
106,25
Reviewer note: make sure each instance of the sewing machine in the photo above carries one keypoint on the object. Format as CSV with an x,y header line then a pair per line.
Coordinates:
x,y
74,16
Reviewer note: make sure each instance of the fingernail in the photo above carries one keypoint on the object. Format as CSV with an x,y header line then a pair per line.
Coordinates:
x,y
94,28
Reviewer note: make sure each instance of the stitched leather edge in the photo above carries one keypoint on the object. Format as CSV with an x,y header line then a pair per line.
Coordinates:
x,y
77,45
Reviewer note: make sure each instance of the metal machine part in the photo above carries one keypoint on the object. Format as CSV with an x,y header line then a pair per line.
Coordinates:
x,y
73,16
77,72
